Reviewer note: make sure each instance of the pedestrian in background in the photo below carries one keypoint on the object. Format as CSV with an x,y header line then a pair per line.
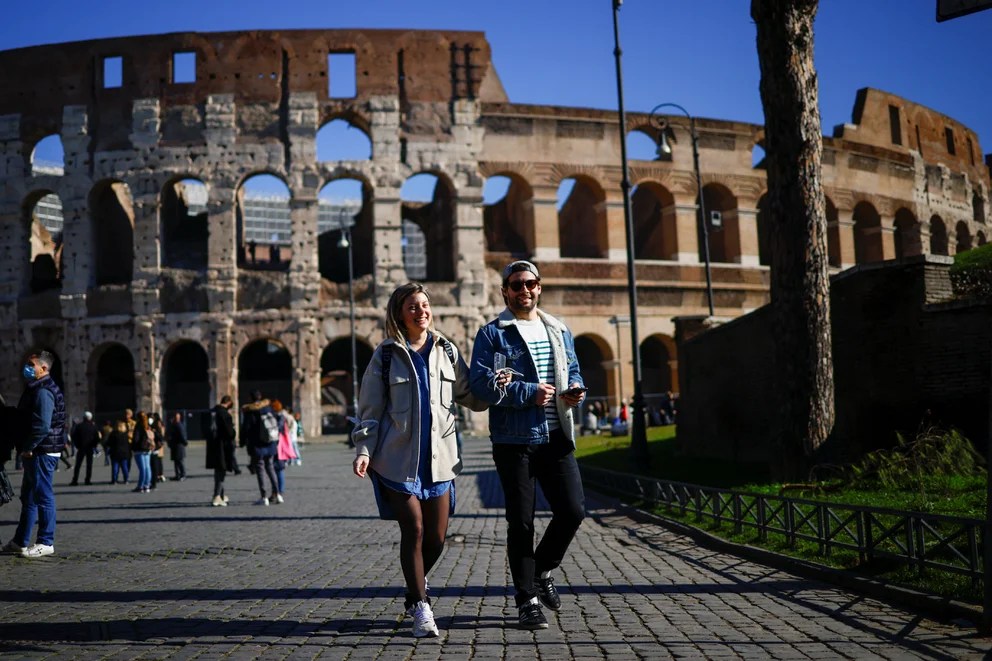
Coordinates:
x,y
119,451
86,438
175,436
405,438
158,454
260,432
142,446
220,447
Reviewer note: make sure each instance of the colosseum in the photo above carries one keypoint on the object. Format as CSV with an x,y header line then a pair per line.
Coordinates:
x,y
143,261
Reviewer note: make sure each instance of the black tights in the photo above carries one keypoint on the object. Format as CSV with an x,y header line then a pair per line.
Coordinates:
x,y
423,526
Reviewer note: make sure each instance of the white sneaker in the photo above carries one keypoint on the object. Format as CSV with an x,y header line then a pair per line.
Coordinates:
x,y
13,547
218,502
37,551
262,501
279,499
226,499
423,621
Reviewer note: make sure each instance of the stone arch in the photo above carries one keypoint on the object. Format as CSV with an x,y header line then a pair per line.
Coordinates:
x,y
48,156
508,220
653,211
264,225
593,353
582,218
833,233
962,236
641,145
938,236
335,377
43,229
428,202
867,234
725,240
183,224
344,202
340,139
906,234
266,365
185,377
977,207
659,367
112,214
111,377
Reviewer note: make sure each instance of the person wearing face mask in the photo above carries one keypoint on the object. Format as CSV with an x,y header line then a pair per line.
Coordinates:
x,y
40,447
532,428
405,437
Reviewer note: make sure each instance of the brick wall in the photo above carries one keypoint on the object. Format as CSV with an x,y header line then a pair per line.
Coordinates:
x,y
904,354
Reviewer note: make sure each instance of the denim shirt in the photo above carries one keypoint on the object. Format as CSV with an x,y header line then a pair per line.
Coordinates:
x,y
515,418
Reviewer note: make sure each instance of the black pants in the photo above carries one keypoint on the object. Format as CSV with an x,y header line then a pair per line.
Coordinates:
x,y
263,466
219,482
180,465
521,468
82,455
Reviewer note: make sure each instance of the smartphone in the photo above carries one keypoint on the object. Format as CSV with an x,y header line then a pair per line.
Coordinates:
x,y
577,390
499,362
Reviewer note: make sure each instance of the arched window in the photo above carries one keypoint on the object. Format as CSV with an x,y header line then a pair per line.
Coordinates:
x,y
45,237
185,232
658,375
582,219
938,236
428,202
653,211
340,140
48,156
112,381
344,203
266,366
185,378
963,235
641,146
906,234
265,230
508,215
112,212
592,351
722,223
336,383
867,234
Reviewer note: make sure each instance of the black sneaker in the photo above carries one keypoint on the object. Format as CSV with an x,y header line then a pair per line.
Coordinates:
x,y
548,593
532,617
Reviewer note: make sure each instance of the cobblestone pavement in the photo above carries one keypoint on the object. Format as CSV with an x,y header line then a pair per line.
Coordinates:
x,y
165,576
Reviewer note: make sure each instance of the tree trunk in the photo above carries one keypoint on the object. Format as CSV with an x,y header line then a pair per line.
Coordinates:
x,y
800,283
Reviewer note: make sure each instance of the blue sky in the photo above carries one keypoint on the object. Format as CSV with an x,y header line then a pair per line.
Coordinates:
x,y
699,53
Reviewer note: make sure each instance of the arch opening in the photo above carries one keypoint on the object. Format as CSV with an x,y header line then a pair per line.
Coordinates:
x,y
582,219
428,214
112,211
264,225
508,215
184,225
266,366
340,140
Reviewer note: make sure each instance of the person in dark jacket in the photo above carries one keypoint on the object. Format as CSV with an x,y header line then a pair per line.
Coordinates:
x,y
175,435
86,438
40,448
119,450
260,432
220,447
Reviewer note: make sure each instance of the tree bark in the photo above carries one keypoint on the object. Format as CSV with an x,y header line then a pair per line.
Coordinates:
x,y
800,283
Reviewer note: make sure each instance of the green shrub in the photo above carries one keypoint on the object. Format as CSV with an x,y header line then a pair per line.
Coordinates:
x,y
971,274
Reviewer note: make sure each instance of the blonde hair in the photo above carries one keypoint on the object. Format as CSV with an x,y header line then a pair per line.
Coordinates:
x,y
394,309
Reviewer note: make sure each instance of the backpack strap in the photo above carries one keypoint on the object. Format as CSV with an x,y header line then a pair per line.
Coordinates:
x,y
448,350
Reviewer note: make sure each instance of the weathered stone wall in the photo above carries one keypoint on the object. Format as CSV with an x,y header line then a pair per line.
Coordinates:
x,y
904,356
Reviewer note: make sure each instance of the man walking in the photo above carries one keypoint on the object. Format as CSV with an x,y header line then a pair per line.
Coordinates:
x,y
86,438
532,428
43,407
175,436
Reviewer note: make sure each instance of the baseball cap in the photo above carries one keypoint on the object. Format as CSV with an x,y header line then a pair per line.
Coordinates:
x,y
87,415
519,265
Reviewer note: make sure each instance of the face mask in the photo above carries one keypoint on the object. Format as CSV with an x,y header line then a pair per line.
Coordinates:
x,y
28,372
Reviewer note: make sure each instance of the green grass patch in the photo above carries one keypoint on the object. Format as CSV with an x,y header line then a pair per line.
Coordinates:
x,y
873,483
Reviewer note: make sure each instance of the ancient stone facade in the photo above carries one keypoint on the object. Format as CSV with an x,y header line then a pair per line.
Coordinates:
x,y
133,323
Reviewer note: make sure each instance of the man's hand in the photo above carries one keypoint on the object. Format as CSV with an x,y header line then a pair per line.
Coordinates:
x,y
360,465
545,393
576,399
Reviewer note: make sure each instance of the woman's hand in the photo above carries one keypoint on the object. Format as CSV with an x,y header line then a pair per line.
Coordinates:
x,y
360,465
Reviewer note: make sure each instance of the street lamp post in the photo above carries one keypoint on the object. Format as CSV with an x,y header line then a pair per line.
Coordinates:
x,y
638,434
345,242
661,123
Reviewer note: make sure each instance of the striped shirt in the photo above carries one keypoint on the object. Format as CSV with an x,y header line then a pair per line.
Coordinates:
x,y
535,334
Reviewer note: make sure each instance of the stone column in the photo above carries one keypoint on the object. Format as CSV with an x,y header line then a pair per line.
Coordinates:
x,y
14,250
222,266
546,244
686,234
616,230
843,228
304,273
77,231
746,221
306,373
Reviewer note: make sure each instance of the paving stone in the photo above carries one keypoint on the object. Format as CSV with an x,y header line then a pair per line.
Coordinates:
x,y
166,576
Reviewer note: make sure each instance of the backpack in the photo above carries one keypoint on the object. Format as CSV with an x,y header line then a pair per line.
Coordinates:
x,y
269,433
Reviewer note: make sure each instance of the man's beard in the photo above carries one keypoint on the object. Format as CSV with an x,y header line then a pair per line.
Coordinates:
x,y
511,302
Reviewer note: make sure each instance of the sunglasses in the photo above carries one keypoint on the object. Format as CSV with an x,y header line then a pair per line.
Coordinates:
x,y
518,285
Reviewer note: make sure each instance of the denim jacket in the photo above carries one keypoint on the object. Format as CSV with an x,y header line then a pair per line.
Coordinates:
x,y
515,418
